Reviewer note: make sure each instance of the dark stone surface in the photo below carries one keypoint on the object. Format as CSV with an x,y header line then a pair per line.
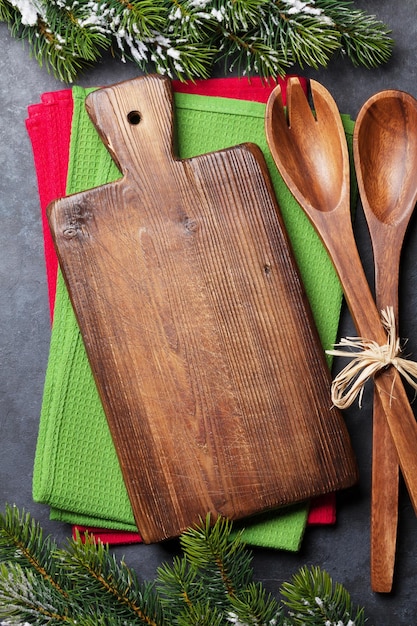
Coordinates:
x,y
24,317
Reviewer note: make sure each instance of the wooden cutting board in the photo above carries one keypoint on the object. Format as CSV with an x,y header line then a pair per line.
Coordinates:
x,y
196,325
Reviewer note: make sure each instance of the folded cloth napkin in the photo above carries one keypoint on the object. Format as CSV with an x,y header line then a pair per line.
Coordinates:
x,y
276,530
45,482
255,89
49,128
51,161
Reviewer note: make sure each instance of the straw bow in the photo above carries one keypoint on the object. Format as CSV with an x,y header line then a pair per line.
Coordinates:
x,y
367,359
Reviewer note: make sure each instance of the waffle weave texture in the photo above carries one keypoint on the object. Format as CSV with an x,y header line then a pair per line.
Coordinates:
x,y
76,470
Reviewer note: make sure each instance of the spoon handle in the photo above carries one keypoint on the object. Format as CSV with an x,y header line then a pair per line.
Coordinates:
x,y
384,502
385,469
335,230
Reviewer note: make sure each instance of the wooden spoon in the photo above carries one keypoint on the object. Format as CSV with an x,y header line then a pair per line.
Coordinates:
x,y
385,152
311,154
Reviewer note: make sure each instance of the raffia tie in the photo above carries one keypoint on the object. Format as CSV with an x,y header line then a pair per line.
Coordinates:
x,y
367,359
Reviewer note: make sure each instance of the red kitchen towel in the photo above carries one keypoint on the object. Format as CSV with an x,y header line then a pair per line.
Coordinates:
x,y
255,89
49,128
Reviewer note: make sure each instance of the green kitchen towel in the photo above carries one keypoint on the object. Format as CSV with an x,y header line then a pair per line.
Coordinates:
x,y
76,471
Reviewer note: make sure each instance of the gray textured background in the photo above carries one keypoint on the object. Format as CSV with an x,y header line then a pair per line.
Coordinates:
x,y
24,318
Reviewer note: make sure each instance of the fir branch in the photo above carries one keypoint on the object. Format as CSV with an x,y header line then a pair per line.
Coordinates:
x,y
219,560
178,584
251,56
181,59
254,605
239,16
8,13
113,587
365,40
57,37
185,38
24,596
200,615
210,585
190,21
22,540
143,17
213,561
314,600
310,39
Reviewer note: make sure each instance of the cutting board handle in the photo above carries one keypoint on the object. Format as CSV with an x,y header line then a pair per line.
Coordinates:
x,y
135,125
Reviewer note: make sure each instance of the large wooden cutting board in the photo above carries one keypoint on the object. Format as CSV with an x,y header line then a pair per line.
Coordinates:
x,y
196,325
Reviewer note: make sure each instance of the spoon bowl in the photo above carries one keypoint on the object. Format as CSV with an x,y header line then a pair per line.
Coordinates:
x,y
385,148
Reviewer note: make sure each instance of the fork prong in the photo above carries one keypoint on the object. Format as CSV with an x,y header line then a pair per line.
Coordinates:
x,y
280,138
325,107
278,110
299,110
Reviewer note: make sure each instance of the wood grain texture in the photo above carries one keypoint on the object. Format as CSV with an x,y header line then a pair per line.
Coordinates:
x,y
196,325
315,144
385,152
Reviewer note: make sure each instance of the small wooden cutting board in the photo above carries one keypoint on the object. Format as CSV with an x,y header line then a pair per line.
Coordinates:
x,y
196,325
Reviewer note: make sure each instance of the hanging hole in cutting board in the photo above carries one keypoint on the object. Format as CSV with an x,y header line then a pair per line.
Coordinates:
x,y
134,118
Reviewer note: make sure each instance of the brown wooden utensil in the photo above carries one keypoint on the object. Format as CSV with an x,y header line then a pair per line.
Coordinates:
x,y
196,325
385,153
311,154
